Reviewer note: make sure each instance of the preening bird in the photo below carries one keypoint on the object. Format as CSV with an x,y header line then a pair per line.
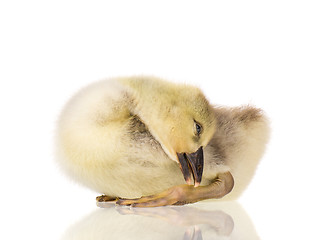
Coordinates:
x,y
145,142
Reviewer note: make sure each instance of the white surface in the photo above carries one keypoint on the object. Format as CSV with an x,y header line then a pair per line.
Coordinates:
x,y
237,51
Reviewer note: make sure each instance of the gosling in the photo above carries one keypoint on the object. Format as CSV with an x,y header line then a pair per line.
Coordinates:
x,y
146,142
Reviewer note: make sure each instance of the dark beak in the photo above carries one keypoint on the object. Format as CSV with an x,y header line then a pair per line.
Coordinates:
x,y
192,163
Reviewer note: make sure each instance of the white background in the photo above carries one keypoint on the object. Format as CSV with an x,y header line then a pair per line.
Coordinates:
x,y
238,52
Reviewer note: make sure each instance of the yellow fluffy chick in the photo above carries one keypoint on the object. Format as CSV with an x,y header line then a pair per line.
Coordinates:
x,y
129,138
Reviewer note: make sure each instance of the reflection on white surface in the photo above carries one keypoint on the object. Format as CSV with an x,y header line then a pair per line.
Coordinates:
x,y
216,221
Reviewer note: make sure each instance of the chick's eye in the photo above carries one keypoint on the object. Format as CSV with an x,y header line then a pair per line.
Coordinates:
x,y
198,128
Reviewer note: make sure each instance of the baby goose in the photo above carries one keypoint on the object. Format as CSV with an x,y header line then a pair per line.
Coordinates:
x,y
129,137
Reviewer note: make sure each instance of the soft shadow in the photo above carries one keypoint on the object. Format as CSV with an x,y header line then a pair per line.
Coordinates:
x,y
204,220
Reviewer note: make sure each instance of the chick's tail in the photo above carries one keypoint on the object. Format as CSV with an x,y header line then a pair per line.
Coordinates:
x,y
245,132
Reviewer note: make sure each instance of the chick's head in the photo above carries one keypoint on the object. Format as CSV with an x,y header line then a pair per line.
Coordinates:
x,y
189,126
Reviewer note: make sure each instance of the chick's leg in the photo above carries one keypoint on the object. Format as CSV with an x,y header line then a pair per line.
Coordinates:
x,y
183,194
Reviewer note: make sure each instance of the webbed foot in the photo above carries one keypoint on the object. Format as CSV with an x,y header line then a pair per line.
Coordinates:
x,y
177,195
105,198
